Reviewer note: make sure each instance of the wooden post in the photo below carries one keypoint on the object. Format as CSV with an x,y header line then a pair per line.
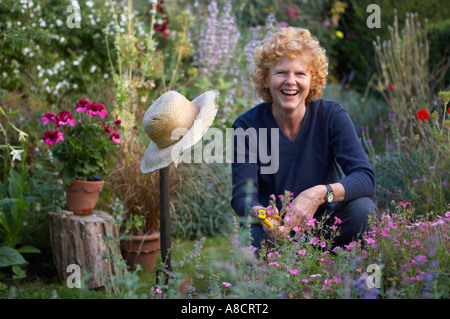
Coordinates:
x,y
78,240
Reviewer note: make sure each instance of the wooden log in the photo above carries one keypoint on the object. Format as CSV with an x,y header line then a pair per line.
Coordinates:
x,y
78,240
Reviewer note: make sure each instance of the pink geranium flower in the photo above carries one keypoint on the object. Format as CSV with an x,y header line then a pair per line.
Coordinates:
x,y
53,137
82,106
48,117
97,108
65,118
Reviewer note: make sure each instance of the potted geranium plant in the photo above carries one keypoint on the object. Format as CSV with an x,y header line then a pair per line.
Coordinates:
x,y
86,146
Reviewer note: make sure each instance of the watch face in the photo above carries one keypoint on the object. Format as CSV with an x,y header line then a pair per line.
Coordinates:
x,y
330,198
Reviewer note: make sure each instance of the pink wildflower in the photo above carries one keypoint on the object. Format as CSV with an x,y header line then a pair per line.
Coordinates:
x,y
323,244
301,252
421,259
310,221
404,204
273,255
314,241
287,220
294,271
226,284
297,229
338,220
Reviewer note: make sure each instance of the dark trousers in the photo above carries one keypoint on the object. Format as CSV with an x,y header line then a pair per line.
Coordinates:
x,y
353,214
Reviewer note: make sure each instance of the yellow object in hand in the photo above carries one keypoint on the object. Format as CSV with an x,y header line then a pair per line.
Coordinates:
x,y
263,216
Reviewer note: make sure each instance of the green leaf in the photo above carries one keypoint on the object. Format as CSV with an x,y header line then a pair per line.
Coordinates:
x,y
28,250
9,256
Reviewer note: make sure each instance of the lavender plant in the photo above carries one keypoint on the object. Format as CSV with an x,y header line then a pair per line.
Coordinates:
x,y
214,39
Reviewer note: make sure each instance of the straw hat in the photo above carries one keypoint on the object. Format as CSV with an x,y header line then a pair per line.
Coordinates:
x,y
174,124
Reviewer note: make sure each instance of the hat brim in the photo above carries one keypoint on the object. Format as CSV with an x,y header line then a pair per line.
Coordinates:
x,y
155,158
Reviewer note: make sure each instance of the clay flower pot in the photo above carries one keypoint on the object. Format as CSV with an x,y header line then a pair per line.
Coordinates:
x,y
142,250
82,196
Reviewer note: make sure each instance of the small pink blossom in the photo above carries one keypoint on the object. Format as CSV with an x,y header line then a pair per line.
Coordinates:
x,y
287,220
297,229
421,259
404,204
338,220
314,241
310,221
323,244
226,284
273,255
294,271
301,252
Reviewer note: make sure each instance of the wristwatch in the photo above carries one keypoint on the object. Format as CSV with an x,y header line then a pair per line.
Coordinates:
x,y
330,195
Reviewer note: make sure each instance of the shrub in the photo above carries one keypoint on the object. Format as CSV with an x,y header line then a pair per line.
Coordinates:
x,y
415,165
409,255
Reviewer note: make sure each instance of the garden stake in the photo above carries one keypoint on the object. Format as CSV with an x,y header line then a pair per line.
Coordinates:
x,y
164,212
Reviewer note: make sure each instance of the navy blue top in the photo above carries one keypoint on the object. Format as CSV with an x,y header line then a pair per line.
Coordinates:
x,y
326,150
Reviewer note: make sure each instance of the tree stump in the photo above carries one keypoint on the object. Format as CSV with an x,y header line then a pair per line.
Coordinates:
x,y
78,240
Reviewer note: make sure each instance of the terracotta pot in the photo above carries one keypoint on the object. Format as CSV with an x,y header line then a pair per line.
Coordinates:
x,y
142,250
82,196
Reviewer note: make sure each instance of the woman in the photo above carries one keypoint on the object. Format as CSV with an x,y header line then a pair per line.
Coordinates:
x,y
320,157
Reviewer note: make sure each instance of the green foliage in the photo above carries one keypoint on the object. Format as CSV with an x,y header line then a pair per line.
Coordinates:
x,y
86,148
415,166
201,207
355,51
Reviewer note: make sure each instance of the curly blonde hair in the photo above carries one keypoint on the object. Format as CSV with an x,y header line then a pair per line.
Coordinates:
x,y
292,42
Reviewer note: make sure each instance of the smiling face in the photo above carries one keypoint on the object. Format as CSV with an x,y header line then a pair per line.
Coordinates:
x,y
289,83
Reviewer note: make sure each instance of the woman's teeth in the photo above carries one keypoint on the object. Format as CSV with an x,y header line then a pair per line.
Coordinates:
x,y
289,92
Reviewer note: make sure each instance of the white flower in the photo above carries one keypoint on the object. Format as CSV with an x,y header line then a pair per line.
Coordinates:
x,y
23,136
16,155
